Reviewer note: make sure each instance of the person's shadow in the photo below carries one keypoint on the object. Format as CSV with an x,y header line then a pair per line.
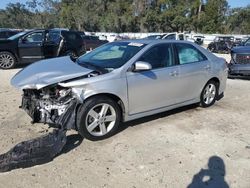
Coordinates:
x,y
213,177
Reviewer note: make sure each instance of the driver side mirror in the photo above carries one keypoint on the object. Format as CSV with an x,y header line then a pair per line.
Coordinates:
x,y
141,66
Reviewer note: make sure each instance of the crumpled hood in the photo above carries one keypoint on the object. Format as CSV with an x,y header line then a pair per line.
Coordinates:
x,y
47,72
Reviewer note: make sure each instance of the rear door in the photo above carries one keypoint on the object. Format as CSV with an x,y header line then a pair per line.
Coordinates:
x,y
51,43
194,69
31,47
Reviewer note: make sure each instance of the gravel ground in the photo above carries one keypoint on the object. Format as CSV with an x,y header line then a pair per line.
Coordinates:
x,y
170,149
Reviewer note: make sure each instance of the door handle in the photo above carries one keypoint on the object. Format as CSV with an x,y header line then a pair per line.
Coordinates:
x,y
174,73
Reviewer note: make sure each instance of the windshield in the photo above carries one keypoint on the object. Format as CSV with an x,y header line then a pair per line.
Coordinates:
x,y
111,55
17,35
247,43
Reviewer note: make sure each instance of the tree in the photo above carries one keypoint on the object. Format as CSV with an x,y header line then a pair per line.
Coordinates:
x,y
210,16
238,20
16,16
213,19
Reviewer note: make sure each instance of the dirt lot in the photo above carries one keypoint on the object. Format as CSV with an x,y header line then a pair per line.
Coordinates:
x,y
165,150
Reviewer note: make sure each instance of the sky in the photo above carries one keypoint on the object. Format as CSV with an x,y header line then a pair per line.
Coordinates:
x,y
232,3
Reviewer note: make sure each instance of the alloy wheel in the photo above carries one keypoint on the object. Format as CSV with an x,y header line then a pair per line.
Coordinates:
x,y
100,119
209,94
6,61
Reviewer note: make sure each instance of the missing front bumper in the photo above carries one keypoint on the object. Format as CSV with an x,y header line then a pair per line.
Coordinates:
x,y
66,120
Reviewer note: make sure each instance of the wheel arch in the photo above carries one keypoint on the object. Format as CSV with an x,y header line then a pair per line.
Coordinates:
x,y
217,81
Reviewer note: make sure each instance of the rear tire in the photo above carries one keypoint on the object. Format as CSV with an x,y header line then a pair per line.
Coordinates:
x,y
7,60
209,94
98,118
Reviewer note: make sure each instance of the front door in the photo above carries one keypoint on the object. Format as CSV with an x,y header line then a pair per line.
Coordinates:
x,y
156,88
31,47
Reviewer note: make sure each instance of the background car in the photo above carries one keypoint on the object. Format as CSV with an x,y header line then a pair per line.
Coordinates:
x,y
174,36
221,44
120,81
240,61
198,39
34,45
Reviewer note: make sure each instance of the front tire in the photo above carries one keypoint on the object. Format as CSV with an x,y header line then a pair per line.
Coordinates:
x,y
98,118
7,60
209,94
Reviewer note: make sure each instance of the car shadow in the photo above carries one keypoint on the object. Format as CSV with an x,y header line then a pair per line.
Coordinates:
x,y
213,177
146,119
38,151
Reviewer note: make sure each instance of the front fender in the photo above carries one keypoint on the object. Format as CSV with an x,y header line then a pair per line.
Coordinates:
x,y
115,87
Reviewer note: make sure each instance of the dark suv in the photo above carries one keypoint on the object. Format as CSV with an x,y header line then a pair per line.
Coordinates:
x,y
34,45
240,60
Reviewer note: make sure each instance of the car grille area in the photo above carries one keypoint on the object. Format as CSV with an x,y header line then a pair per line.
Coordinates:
x,y
243,58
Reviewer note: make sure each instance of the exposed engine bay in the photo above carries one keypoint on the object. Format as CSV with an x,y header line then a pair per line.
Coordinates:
x,y
52,105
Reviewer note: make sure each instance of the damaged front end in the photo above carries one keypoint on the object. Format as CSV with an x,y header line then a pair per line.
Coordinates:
x,y
55,106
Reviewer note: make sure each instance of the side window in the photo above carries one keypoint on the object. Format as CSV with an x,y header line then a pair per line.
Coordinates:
x,y
247,43
159,56
34,37
189,54
53,36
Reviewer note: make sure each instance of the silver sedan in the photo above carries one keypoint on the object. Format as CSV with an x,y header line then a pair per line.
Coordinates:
x,y
119,82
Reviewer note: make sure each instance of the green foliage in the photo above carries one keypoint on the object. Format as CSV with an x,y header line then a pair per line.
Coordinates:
x,y
239,20
128,16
